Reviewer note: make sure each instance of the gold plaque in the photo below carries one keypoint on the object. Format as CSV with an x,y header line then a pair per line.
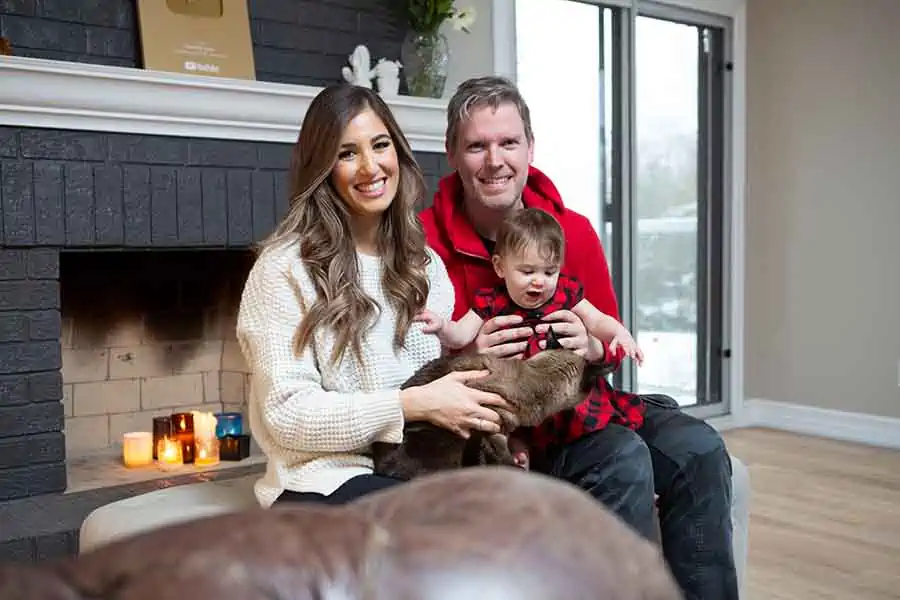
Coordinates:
x,y
198,37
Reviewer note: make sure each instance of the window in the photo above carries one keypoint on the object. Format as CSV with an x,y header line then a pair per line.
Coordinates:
x,y
633,135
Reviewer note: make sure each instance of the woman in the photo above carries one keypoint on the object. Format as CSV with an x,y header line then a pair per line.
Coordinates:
x,y
326,317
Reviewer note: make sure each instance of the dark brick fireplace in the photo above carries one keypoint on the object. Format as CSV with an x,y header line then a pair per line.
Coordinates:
x,y
65,192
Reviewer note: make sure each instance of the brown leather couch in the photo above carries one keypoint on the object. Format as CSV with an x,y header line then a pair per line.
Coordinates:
x,y
483,533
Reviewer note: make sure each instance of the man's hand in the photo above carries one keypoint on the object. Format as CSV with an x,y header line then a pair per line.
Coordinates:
x,y
503,343
572,334
569,330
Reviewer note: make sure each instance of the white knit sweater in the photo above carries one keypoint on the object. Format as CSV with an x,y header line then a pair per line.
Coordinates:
x,y
315,422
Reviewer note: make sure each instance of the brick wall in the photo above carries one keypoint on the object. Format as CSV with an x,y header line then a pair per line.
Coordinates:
x,y
294,41
75,190
63,191
31,416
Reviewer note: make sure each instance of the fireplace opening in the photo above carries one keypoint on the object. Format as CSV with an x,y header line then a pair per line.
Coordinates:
x,y
145,333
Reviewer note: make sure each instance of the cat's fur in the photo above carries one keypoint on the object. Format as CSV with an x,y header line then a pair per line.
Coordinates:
x,y
547,383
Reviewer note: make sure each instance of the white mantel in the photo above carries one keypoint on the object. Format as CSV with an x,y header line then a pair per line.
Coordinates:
x,y
69,95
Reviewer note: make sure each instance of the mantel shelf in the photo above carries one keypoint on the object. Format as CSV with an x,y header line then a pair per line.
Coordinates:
x,y
68,95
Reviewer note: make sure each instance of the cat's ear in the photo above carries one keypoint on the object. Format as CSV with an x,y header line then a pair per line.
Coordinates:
x,y
552,341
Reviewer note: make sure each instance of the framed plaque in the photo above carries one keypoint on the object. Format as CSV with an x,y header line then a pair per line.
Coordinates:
x,y
197,37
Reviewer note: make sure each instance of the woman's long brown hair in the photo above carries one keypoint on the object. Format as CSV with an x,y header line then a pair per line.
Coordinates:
x,y
320,219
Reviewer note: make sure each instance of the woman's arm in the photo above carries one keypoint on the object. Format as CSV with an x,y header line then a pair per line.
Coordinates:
x,y
297,412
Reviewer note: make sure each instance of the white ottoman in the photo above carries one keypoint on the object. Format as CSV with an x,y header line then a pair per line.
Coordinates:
x,y
152,510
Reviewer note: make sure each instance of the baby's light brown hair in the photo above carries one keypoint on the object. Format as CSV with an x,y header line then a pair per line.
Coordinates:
x,y
527,227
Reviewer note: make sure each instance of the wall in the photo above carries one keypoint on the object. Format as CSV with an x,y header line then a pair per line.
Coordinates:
x,y
471,54
294,41
303,42
79,189
823,134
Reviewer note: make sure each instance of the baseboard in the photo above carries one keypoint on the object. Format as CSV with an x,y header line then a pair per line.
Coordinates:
x,y
862,428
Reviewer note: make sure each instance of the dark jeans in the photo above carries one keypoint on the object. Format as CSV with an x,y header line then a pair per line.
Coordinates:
x,y
351,490
685,461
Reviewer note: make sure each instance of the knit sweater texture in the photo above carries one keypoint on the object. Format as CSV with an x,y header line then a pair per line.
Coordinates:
x,y
316,421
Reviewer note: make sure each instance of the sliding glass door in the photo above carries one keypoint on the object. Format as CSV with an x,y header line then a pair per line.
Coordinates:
x,y
678,205
630,120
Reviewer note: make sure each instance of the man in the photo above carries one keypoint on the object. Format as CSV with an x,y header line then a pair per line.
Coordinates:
x,y
620,455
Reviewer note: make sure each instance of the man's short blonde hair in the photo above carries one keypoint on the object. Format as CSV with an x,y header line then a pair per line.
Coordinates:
x,y
479,92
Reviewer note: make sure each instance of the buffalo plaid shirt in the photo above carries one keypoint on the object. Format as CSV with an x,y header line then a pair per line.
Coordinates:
x,y
603,405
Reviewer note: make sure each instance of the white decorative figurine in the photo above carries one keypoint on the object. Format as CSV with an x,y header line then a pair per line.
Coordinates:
x,y
388,74
361,73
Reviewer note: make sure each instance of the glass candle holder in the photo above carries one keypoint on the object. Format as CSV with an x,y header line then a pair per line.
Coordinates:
x,y
183,429
137,448
229,423
168,453
182,422
206,451
234,447
162,427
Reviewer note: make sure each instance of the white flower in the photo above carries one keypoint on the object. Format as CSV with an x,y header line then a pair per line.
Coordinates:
x,y
462,20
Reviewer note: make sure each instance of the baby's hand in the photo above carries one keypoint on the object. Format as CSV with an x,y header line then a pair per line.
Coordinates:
x,y
629,346
433,321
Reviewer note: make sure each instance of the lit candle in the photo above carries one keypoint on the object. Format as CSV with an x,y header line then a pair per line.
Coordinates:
x,y
162,427
168,454
183,426
206,444
137,448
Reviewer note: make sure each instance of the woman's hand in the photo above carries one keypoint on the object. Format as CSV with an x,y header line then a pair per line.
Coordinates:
x,y
449,403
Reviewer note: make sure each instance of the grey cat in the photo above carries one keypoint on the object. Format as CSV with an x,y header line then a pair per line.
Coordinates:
x,y
537,388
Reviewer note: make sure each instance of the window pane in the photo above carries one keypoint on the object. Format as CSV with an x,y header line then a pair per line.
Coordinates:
x,y
666,207
558,48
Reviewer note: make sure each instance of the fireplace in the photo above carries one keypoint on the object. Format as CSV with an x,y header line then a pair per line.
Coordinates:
x,y
123,257
128,207
145,334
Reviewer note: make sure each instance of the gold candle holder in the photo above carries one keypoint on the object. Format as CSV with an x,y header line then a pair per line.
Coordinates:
x,y
206,451
168,453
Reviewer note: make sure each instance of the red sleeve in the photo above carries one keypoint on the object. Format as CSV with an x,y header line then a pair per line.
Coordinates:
x,y
591,268
483,303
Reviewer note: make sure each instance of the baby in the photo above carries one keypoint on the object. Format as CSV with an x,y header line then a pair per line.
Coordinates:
x,y
527,256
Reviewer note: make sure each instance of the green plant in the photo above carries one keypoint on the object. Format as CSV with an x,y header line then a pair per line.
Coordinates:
x,y
427,16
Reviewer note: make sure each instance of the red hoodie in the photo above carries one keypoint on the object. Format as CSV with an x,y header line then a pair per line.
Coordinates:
x,y
449,232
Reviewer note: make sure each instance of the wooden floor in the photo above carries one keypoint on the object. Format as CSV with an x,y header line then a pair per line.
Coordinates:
x,y
824,519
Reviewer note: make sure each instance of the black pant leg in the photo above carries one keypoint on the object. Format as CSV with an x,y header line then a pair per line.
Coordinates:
x,y
692,472
351,490
614,466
